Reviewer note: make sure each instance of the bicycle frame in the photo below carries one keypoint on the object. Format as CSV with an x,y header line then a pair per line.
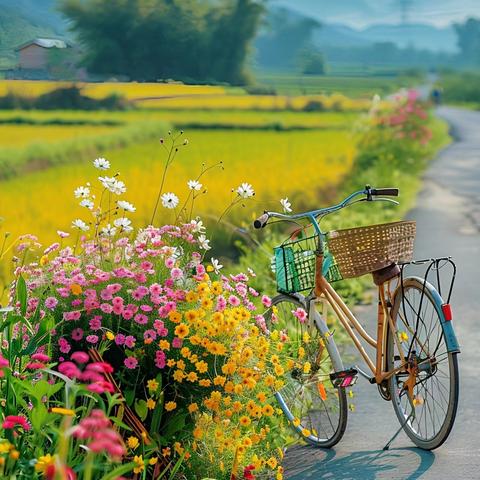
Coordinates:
x,y
324,292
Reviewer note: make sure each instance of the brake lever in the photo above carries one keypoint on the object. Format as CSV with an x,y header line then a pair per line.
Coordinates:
x,y
383,199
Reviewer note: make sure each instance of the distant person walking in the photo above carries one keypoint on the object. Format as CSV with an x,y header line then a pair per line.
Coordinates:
x,y
436,96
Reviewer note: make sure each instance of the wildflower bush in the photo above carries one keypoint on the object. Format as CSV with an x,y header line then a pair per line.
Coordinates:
x,y
126,355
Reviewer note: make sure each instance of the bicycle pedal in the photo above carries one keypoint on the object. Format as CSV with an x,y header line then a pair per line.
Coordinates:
x,y
345,378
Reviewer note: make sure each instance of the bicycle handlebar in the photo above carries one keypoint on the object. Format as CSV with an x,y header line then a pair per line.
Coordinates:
x,y
262,221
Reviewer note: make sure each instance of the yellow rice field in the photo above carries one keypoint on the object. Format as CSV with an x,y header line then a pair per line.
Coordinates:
x,y
131,90
294,164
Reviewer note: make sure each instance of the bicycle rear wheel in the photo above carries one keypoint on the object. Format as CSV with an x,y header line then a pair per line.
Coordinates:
x,y
434,388
317,410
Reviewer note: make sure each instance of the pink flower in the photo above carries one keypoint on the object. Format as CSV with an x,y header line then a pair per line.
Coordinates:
x,y
106,308
301,314
35,365
150,335
160,359
266,301
96,322
169,262
113,288
51,302
92,338
120,339
141,319
41,357
176,273
77,334
12,421
233,300
130,362
177,342
155,289
80,357
64,345
130,341
221,303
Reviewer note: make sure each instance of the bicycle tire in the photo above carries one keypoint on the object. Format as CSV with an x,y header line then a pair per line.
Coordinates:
x,y
413,289
306,387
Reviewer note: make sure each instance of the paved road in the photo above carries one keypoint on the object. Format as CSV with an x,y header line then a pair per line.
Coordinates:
x,y
448,216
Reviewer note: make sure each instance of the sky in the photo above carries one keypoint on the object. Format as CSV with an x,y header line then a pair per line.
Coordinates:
x,y
362,13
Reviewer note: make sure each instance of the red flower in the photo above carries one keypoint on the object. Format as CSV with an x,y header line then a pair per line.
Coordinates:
x,y
247,472
12,421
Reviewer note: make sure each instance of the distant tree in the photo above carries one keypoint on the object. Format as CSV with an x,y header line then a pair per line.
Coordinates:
x,y
468,37
312,63
153,39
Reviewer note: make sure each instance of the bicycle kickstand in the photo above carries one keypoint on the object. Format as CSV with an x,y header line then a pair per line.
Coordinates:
x,y
387,446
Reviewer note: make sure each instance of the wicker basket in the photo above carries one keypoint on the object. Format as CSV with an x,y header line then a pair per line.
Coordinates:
x,y
362,250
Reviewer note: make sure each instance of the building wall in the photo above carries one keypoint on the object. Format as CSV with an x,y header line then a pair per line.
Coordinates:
x,y
33,57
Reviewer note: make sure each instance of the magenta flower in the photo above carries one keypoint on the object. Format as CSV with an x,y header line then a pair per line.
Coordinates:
x,y
130,341
176,273
141,319
130,362
177,342
92,339
160,359
301,314
233,300
77,334
266,301
120,339
80,357
51,302
12,421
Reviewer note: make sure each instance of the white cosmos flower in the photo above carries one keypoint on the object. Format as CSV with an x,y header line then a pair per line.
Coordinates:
x,y
204,242
124,224
245,190
287,206
107,182
109,230
87,203
216,265
127,206
118,187
81,192
169,200
101,163
194,185
80,224
198,226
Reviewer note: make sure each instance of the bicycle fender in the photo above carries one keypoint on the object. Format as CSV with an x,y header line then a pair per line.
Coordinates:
x,y
447,326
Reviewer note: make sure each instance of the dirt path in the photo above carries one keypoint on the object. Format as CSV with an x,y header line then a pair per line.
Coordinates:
x,y
448,223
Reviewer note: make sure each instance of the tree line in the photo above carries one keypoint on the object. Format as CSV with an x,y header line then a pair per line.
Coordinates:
x,y
148,40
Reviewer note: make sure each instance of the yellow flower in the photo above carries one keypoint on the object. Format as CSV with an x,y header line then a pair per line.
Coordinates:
x,y
191,297
132,442
272,462
171,362
192,377
110,335
166,451
261,396
267,410
153,461
44,462
76,289
5,446
14,454
63,411
217,288
185,352
152,385
182,330
307,366
169,406
151,403
204,382
403,336
296,422
201,366
245,421
178,376
164,344
174,316
44,260
306,432
193,407
139,465
279,370
177,446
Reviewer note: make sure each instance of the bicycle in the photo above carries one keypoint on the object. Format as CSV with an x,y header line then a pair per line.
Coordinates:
x,y
415,365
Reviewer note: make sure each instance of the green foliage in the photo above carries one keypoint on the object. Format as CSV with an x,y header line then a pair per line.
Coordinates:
x,y
468,34
461,87
181,39
313,63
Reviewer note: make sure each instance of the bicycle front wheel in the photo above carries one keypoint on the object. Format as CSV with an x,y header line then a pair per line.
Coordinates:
x,y
431,391
316,409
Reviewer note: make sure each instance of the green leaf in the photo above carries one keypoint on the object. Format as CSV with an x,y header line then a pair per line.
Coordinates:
x,y
129,397
22,294
128,467
141,409
120,424
175,424
39,417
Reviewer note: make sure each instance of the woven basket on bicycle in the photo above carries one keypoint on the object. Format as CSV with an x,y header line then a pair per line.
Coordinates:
x,y
348,253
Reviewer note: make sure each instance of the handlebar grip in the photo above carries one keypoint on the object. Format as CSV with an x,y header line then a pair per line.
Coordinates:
x,y
388,192
261,221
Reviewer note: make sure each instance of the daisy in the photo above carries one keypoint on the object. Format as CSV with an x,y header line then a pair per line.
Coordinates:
x,y
124,224
216,265
81,192
108,182
127,206
62,234
80,224
109,230
169,200
287,206
194,185
245,190
198,226
118,187
87,203
101,164
203,241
